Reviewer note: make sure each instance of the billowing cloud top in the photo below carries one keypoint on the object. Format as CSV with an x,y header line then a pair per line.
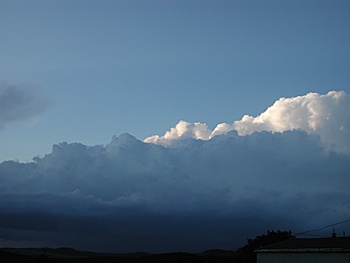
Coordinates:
x,y
201,191
325,115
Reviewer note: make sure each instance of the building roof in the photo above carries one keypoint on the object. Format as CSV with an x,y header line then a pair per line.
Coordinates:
x,y
332,244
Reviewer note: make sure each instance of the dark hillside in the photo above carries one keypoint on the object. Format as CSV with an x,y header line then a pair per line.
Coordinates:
x,y
73,256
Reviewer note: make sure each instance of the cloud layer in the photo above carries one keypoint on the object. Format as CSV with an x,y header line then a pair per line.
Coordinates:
x,y
191,195
18,104
326,115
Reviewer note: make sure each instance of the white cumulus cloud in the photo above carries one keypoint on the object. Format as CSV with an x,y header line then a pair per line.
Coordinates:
x,y
182,130
325,115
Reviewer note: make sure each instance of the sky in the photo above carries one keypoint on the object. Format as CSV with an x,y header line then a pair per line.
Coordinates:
x,y
172,125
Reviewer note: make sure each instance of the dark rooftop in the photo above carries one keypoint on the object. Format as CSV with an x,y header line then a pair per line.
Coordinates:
x,y
331,244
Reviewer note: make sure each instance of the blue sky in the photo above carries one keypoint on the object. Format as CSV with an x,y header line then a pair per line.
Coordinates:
x,y
108,67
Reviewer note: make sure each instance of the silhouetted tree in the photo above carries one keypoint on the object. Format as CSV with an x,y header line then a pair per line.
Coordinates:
x,y
246,253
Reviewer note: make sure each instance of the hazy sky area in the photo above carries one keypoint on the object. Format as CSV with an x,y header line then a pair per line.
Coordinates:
x,y
172,125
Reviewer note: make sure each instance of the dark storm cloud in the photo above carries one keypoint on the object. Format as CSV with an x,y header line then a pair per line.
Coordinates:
x,y
193,195
19,103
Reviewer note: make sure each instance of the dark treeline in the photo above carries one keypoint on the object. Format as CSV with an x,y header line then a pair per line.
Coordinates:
x,y
245,254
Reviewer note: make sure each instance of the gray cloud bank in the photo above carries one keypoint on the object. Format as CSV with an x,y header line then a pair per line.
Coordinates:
x,y
190,196
19,104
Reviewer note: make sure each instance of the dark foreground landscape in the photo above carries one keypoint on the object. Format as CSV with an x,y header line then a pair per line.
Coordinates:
x,y
244,254
66,255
